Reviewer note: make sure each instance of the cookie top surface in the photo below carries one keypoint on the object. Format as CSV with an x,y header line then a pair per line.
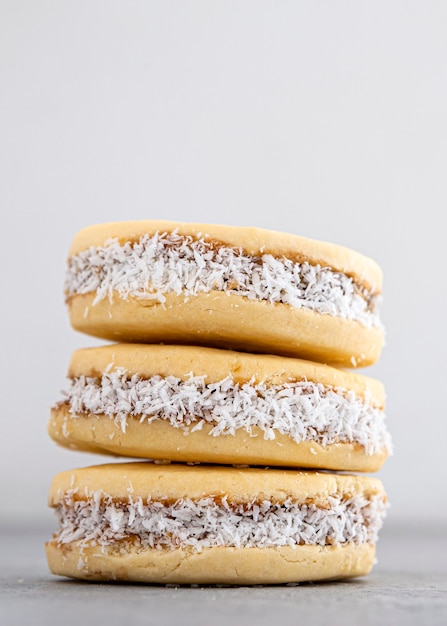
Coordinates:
x,y
124,481
253,241
145,360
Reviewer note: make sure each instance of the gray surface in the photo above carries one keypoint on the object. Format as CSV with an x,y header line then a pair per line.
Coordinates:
x,y
408,585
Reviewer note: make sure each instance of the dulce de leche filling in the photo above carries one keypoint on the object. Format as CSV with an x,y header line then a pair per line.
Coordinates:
x,y
303,410
208,522
165,263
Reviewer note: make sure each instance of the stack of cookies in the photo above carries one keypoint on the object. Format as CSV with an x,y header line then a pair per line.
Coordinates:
x,y
231,377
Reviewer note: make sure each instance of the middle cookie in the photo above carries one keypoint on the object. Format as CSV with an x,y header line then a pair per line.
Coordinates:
x,y
193,404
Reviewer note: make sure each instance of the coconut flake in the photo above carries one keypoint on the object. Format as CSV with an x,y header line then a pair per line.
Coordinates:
x,y
206,523
303,410
171,263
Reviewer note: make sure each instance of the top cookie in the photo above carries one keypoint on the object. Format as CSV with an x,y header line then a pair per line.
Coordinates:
x,y
234,287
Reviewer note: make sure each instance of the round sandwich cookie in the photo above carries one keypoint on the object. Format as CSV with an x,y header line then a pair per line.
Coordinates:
x,y
205,405
176,524
231,287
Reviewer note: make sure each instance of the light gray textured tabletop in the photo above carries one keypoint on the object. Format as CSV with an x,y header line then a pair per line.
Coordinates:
x,y
407,586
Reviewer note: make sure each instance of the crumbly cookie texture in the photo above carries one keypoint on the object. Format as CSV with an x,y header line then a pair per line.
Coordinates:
x,y
97,519
303,410
164,263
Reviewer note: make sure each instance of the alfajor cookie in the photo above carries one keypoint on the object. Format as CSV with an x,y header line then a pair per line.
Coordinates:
x,y
194,404
232,287
177,524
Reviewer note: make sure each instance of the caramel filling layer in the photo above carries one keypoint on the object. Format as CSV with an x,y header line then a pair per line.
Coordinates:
x,y
171,263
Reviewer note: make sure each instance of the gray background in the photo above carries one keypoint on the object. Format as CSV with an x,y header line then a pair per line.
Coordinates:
x,y
326,119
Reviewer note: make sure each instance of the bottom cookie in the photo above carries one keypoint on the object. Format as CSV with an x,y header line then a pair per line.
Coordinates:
x,y
219,565
175,524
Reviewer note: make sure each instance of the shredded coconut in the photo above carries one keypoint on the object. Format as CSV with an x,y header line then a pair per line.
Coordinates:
x,y
205,523
304,410
172,263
